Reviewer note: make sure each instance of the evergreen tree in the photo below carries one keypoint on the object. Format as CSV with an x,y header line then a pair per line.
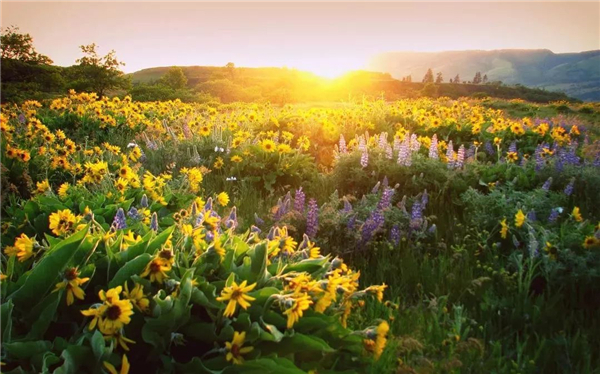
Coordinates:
x,y
477,78
485,79
457,79
439,79
428,78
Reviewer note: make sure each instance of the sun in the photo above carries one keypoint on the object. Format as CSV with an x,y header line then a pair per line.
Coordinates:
x,y
328,68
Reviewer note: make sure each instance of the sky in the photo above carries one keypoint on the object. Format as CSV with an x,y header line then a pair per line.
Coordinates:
x,y
325,38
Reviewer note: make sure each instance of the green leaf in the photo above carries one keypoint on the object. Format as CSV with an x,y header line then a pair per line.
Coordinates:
x,y
44,275
297,343
133,267
98,345
6,320
26,350
159,240
265,366
45,317
75,356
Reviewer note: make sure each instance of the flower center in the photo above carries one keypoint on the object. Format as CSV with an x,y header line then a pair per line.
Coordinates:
x,y
113,312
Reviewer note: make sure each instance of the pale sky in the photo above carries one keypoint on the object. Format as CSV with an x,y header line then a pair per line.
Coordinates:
x,y
325,38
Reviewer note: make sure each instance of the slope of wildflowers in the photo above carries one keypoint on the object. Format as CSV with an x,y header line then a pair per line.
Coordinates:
x,y
413,236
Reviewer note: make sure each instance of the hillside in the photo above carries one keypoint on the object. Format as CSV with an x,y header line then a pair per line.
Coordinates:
x,y
281,85
576,74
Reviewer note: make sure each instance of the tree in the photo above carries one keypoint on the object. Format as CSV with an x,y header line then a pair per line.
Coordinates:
x,y
174,78
485,79
438,78
19,46
98,74
428,78
230,66
477,78
457,79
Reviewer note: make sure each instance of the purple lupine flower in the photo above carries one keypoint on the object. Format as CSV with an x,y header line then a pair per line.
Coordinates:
x,y
154,222
371,225
415,145
539,157
397,143
513,147
255,230
531,216
120,221
258,221
271,234
186,131
342,144
362,145
416,216
450,155
312,218
133,213
209,237
432,229
299,199
470,153
424,199
347,206
460,157
351,222
433,148
375,188
209,204
389,152
364,159
386,199
402,205
22,118
144,201
194,212
489,148
232,220
569,189
395,235
404,155
547,184
553,215
385,182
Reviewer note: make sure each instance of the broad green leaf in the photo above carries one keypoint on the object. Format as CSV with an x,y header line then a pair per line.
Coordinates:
x,y
26,350
133,267
45,317
6,320
44,276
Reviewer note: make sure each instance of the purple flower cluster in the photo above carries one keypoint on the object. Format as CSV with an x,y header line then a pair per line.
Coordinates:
x,y
154,222
547,184
395,235
312,218
342,144
450,155
133,213
364,159
416,215
299,199
433,148
232,222
119,222
460,157
404,153
569,189
347,206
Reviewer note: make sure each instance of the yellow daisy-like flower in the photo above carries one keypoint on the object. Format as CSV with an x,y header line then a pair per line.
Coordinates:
x,y
42,186
235,348
223,199
62,222
71,282
267,145
236,294
23,248
63,190
124,366
576,214
136,296
504,229
381,339
157,269
299,304
520,218
590,241
236,159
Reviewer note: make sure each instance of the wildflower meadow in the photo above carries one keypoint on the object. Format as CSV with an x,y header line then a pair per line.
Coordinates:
x,y
415,236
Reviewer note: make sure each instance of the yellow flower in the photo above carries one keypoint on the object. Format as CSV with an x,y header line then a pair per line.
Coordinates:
x,y
223,199
72,283
218,163
576,214
120,339
236,159
299,304
236,294
235,349
157,269
590,241
63,190
42,186
62,222
23,248
112,314
381,340
124,366
268,145
136,296
504,229
520,218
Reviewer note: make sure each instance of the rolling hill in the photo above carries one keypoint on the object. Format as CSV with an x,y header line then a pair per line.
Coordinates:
x,y
576,74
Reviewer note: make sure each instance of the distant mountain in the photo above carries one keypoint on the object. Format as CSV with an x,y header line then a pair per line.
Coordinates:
x,y
576,74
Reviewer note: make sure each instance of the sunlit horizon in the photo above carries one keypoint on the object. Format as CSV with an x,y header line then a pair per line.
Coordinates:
x,y
327,39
